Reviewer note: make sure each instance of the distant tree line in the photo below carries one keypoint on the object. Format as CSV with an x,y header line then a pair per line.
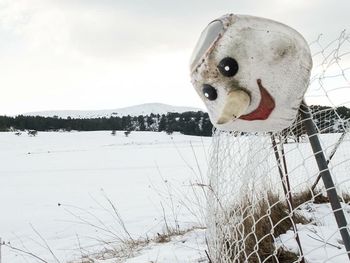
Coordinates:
x,y
327,120
189,123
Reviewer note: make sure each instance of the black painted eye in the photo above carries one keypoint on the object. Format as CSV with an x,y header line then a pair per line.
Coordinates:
x,y
209,92
228,67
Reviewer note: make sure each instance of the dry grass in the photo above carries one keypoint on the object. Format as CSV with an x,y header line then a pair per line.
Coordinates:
x,y
346,198
259,228
130,248
171,233
309,196
253,238
316,197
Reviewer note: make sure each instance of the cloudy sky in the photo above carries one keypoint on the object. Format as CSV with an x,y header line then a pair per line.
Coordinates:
x,y
103,54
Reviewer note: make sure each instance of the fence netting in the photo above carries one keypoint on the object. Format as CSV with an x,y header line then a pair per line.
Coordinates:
x,y
267,202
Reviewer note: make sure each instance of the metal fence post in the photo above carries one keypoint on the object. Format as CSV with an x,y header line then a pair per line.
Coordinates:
x,y
311,131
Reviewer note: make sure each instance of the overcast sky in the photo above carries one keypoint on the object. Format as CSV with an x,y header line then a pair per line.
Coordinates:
x,y
104,54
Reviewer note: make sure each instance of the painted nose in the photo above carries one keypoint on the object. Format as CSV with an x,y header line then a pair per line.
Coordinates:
x,y
236,104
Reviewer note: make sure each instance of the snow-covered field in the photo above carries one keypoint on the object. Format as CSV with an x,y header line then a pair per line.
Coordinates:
x,y
67,195
55,187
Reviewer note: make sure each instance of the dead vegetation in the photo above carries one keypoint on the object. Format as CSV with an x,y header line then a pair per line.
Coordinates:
x,y
307,196
131,248
254,237
317,197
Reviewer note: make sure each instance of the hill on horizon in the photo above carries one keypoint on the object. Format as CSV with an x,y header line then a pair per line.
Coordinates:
x,y
136,110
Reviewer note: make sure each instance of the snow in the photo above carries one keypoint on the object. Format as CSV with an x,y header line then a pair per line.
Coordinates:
x,y
57,187
321,240
78,170
187,248
142,109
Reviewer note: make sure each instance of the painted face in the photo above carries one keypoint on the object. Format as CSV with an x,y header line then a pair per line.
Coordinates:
x,y
251,73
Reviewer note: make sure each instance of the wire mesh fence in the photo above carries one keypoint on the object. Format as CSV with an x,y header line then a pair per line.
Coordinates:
x,y
268,198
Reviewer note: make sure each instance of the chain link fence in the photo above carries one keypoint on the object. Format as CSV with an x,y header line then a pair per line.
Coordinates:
x,y
268,198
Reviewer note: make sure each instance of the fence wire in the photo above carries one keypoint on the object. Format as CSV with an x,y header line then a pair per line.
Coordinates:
x,y
266,200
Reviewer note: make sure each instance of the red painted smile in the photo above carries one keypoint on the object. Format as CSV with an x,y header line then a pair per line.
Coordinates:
x,y
266,106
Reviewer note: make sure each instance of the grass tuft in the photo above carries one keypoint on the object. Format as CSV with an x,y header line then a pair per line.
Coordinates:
x,y
257,232
317,197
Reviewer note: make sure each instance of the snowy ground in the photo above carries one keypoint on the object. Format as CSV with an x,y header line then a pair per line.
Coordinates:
x,y
83,193
187,247
321,241
56,185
